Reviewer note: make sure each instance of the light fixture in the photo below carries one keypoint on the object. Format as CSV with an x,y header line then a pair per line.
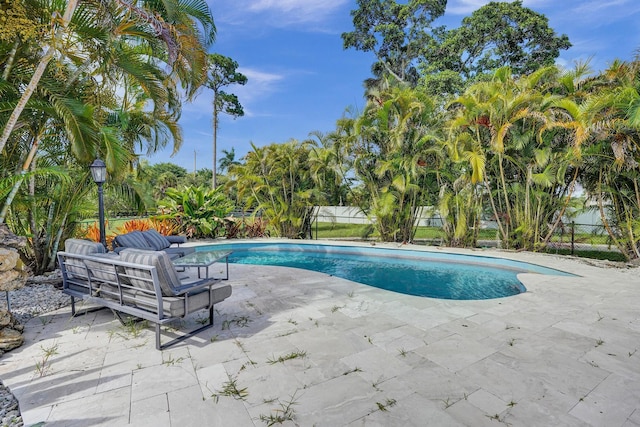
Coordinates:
x,y
99,173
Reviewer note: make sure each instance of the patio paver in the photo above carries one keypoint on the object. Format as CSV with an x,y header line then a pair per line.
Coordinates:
x,y
566,352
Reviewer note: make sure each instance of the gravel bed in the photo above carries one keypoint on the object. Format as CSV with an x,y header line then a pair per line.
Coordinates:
x,y
39,295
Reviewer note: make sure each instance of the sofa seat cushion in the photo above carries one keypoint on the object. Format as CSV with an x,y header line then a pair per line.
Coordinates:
x,y
156,240
171,306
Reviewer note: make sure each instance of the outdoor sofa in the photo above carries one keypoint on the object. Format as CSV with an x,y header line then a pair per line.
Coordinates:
x,y
153,241
136,283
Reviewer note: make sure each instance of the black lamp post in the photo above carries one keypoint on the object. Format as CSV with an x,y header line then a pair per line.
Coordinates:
x,y
99,174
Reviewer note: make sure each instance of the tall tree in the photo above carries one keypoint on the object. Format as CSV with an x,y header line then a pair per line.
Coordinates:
x,y
171,23
396,33
497,34
222,72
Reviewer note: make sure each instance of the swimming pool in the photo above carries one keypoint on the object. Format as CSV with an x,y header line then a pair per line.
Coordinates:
x,y
428,274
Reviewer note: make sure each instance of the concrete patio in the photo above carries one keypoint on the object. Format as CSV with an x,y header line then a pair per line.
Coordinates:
x,y
308,349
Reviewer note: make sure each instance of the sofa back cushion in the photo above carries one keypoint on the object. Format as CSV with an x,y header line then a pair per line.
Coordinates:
x,y
134,239
83,247
105,272
167,275
156,240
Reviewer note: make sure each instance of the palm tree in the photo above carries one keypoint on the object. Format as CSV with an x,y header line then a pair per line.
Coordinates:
x,y
611,161
222,72
228,160
276,180
520,155
127,50
395,134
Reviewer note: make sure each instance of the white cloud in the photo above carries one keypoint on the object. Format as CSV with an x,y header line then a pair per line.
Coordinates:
x,y
600,11
260,85
278,13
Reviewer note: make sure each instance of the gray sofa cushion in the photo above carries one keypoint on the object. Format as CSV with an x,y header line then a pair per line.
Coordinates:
x,y
134,239
171,306
84,247
101,272
81,247
156,240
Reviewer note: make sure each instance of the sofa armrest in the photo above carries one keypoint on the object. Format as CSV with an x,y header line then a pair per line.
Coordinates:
x,y
195,286
176,239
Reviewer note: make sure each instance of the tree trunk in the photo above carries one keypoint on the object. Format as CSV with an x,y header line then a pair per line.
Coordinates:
x,y
214,182
35,79
16,186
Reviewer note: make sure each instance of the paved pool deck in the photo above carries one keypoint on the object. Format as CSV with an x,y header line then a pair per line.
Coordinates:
x,y
316,350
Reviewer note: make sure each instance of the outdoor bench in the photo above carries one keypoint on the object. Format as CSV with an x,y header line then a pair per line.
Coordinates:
x,y
138,283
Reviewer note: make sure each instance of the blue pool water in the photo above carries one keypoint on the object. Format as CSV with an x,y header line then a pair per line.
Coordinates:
x,y
436,275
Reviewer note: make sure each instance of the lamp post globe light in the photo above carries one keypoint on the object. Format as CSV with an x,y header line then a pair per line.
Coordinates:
x,y
99,174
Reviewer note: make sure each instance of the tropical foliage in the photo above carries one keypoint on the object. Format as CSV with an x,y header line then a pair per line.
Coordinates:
x,y
277,181
83,79
198,212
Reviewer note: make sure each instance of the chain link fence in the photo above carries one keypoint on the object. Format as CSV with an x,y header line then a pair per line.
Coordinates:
x,y
576,238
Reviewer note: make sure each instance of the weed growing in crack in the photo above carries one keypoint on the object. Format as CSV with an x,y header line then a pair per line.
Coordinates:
x,y
202,320
230,389
239,321
284,413
354,370
387,404
44,363
289,356
171,361
130,329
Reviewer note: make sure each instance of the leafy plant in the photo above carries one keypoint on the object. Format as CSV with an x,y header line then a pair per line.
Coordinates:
x,y
199,212
134,225
166,226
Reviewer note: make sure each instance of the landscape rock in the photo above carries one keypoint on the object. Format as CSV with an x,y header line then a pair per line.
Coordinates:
x,y
10,240
8,259
10,339
12,278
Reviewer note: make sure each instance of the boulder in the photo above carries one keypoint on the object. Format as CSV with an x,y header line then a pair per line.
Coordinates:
x,y
8,258
12,277
10,339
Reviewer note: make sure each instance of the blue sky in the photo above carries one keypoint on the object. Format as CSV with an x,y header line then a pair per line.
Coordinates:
x,y
300,79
